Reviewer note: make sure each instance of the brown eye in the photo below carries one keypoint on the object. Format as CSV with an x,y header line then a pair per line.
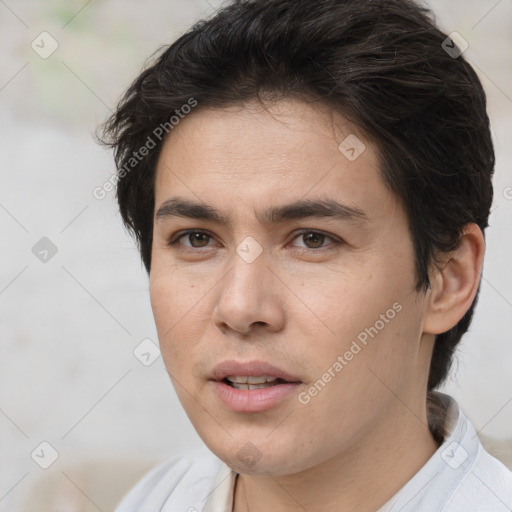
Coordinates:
x,y
313,240
193,239
198,239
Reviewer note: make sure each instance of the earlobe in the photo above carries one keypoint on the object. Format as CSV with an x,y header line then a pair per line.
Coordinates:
x,y
455,283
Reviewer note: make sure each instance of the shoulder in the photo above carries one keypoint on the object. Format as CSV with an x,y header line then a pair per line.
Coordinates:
x,y
487,485
180,483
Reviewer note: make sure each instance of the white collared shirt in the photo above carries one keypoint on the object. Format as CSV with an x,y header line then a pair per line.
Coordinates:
x,y
459,477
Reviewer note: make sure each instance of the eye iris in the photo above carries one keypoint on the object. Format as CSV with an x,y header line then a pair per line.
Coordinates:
x,y
198,237
313,239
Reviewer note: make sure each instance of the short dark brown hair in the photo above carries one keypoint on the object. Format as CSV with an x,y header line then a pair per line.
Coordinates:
x,y
380,63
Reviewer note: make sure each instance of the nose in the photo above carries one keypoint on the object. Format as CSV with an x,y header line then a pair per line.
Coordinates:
x,y
250,298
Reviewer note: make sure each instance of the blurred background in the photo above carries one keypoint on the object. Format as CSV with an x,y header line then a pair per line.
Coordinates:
x,y
86,406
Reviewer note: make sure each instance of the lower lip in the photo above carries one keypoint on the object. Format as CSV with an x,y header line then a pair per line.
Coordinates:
x,y
253,400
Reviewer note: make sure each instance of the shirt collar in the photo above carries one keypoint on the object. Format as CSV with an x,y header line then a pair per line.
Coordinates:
x,y
221,496
431,486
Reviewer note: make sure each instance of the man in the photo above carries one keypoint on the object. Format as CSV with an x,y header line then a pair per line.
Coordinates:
x,y
309,182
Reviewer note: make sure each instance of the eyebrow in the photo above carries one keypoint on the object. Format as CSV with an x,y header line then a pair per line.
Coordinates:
x,y
301,209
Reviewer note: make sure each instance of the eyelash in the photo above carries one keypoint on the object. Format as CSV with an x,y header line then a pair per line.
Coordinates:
x,y
175,239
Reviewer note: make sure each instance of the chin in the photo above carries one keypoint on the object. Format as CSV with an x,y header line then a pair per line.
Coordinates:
x,y
251,457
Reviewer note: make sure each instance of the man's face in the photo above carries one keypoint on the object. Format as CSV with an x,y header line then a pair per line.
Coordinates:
x,y
327,300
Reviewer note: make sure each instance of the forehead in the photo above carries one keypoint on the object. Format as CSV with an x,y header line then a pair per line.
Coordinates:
x,y
249,154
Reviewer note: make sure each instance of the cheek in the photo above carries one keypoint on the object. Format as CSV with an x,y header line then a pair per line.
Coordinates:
x,y
368,312
342,302
163,294
172,302
173,292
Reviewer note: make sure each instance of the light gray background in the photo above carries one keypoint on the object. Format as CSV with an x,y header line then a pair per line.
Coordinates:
x,y
68,327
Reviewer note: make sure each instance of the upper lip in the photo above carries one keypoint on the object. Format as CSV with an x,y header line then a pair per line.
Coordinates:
x,y
250,369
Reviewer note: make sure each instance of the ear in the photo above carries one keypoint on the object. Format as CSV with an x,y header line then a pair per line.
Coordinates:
x,y
455,283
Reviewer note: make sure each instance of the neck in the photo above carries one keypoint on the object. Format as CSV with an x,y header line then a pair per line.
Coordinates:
x,y
362,478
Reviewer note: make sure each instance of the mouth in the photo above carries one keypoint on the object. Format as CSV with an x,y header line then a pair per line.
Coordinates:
x,y
254,386
251,373
249,383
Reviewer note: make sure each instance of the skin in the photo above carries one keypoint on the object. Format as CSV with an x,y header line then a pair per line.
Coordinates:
x,y
300,305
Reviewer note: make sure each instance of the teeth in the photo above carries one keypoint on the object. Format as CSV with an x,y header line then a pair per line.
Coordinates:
x,y
236,385
251,380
